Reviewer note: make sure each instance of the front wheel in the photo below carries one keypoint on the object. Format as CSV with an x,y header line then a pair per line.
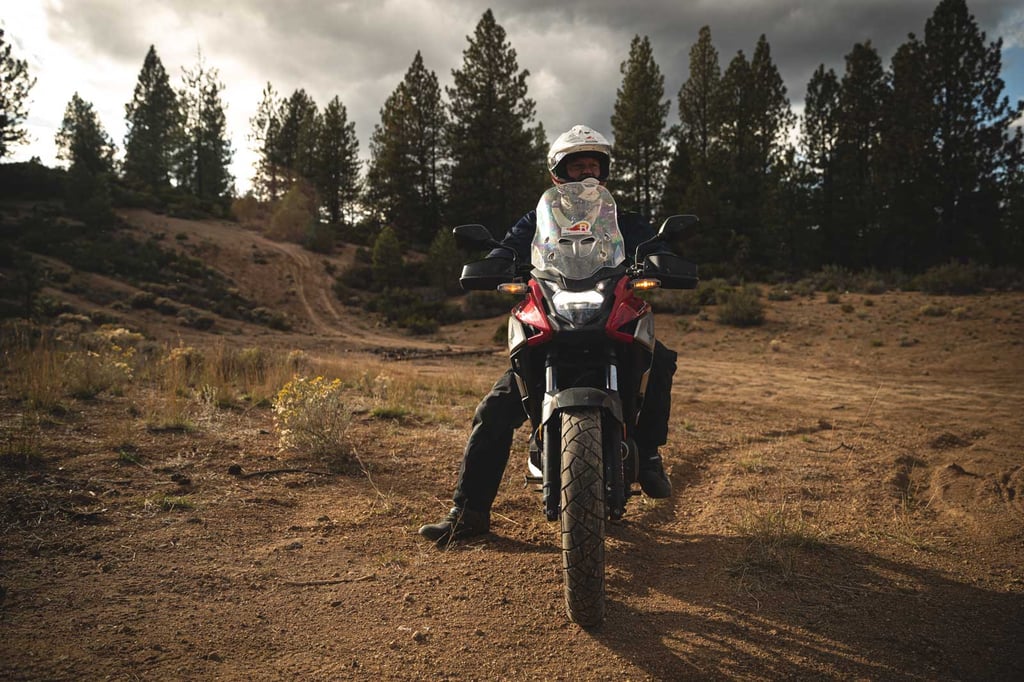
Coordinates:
x,y
582,515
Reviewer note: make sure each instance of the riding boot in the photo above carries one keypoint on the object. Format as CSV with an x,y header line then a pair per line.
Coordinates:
x,y
460,523
653,480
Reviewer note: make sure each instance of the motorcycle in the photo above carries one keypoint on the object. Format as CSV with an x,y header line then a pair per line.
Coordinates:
x,y
581,344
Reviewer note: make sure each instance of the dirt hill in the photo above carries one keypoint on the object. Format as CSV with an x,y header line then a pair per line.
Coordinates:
x,y
849,504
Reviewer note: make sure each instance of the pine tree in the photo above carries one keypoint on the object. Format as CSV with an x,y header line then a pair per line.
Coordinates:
x,y
909,162
15,84
972,137
89,151
772,116
293,147
695,174
740,167
756,120
265,126
206,151
82,140
699,106
337,162
820,133
863,94
154,127
495,154
406,177
638,126
444,263
387,259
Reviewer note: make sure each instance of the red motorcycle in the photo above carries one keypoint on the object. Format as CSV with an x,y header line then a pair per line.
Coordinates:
x,y
581,344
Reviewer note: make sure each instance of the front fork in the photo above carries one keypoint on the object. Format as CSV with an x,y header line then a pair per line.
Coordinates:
x,y
611,432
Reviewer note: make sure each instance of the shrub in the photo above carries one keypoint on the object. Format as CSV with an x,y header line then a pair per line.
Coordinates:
x,y
248,210
409,309
387,258
713,291
952,279
933,310
356,276
274,319
444,263
834,278
419,324
311,414
190,317
293,216
87,374
742,308
320,238
484,304
674,302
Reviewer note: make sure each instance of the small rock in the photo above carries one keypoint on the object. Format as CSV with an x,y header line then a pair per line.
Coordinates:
x,y
419,637
235,469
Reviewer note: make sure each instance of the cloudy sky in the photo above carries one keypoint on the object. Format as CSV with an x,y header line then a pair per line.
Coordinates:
x,y
359,50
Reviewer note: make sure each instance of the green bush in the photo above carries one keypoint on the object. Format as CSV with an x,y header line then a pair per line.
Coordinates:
x,y
952,279
320,238
142,299
781,292
410,310
271,318
444,263
483,304
357,276
742,308
674,302
713,291
294,216
387,259
834,278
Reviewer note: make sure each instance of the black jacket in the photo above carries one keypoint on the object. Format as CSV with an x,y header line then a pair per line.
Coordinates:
x,y
634,228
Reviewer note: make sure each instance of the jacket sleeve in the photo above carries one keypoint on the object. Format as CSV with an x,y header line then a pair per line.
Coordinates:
x,y
518,239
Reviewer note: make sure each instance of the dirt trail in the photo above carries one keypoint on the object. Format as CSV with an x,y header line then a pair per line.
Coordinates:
x,y
849,504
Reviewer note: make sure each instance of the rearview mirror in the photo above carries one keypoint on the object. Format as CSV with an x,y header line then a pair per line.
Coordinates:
x,y
474,236
679,226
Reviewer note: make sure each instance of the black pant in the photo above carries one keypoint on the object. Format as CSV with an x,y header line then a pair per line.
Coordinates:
x,y
501,412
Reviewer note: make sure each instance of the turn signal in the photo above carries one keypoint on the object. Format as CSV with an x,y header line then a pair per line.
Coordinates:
x,y
644,284
518,288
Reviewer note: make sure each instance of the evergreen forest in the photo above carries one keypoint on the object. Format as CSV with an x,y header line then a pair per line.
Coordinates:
x,y
893,168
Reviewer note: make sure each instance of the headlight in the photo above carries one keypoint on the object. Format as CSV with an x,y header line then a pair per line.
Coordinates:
x,y
579,307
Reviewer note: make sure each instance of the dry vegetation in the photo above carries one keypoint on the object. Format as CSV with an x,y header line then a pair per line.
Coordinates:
x,y
849,498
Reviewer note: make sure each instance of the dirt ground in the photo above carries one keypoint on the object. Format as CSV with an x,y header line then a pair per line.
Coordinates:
x,y
849,504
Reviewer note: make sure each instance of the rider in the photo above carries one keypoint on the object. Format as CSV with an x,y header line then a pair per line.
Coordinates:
x,y
576,155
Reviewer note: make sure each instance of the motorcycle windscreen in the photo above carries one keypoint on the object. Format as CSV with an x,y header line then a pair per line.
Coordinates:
x,y
577,231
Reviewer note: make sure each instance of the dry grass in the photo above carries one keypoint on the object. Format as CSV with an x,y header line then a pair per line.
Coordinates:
x,y
776,533
184,388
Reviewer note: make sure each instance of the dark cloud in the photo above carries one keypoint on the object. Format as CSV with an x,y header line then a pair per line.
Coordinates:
x,y
359,50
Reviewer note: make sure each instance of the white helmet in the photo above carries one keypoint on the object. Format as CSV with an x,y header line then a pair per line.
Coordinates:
x,y
576,140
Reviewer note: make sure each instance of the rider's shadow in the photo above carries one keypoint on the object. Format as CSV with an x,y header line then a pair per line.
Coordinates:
x,y
840,612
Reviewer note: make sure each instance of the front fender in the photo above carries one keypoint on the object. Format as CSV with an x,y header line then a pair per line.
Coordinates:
x,y
582,397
